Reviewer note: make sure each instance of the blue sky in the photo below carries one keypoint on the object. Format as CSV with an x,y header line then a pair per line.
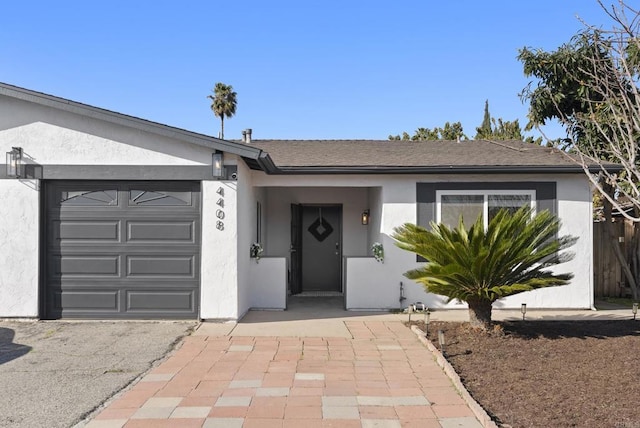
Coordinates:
x,y
302,69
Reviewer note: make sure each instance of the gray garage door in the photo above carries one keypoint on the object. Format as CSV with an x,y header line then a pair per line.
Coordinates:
x,y
122,249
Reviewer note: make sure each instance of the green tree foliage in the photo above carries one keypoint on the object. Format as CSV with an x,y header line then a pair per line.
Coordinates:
x,y
484,131
450,131
480,266
590,85
223,103
562,89
426,134
492,129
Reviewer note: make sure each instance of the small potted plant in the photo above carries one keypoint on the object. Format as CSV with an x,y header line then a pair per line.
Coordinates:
x,y
255,251
378,252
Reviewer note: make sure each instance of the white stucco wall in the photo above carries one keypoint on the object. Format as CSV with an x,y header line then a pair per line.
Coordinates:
x,y
54,137
375,221
398,205
19,252
575,211
373,285
247,219
219,258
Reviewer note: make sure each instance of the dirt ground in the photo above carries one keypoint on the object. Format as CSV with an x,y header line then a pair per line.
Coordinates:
x,y
550,373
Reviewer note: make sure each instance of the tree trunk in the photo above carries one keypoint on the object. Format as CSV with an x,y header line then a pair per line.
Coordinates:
x,y
222,126
635,258
624,264
480,313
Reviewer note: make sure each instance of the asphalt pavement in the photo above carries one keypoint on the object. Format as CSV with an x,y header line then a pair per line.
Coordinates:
x,y
54,373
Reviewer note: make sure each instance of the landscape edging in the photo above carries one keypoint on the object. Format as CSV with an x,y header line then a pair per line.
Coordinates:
x,y
476,408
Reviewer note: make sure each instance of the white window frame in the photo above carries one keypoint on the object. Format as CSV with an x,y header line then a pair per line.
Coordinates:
x,y
485,208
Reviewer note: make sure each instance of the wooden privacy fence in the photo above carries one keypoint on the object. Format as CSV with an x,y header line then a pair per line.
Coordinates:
x,y
608,278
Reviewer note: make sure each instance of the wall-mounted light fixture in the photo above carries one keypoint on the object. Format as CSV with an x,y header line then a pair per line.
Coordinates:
x,y
218,165
365,217
14,162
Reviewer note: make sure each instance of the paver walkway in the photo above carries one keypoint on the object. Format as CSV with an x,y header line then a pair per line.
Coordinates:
x,y
381,377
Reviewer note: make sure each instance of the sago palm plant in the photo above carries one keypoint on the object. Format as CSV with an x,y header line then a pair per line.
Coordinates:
x,y
480,266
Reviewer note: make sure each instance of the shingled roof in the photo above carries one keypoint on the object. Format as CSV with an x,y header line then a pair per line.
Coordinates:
x,y
360,156
344,156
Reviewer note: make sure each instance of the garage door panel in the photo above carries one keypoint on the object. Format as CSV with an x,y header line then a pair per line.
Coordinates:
x,y
83,300
168,231
122,249
133,248
170,300
81,265
86,230
174,266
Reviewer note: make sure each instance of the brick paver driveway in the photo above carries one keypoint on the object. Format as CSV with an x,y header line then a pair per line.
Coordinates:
x,y
381,377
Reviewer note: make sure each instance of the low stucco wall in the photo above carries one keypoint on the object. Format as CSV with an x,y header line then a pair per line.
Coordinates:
x,y
268,278
368,285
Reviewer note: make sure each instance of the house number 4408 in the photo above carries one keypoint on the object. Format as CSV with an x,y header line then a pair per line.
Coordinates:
x,y
220,211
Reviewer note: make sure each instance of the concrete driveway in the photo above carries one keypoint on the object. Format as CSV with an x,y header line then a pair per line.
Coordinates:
x,y
53,373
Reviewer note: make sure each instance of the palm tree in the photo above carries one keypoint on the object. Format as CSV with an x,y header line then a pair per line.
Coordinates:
x,y
480,266
223,103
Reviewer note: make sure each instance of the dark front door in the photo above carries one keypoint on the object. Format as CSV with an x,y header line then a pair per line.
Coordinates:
x,y
321,229
296,248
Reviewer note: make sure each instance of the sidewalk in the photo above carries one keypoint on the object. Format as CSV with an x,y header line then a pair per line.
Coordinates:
x,y
378,376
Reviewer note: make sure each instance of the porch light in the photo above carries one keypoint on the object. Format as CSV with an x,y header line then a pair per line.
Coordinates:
x,y
441,340
365,217
634,309
14,162
523,309
218,165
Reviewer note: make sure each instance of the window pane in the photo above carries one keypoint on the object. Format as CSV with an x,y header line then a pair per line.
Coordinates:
x,y
452,207
148,197
510,202
89,197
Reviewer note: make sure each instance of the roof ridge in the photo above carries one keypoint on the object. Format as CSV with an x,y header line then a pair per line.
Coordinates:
x,y
506,146
365,140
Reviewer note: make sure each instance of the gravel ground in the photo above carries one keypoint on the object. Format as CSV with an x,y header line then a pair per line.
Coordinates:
x,y
54,373
549,373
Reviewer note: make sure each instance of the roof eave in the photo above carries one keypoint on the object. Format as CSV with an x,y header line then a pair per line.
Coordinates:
x,y
74,107
453,169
